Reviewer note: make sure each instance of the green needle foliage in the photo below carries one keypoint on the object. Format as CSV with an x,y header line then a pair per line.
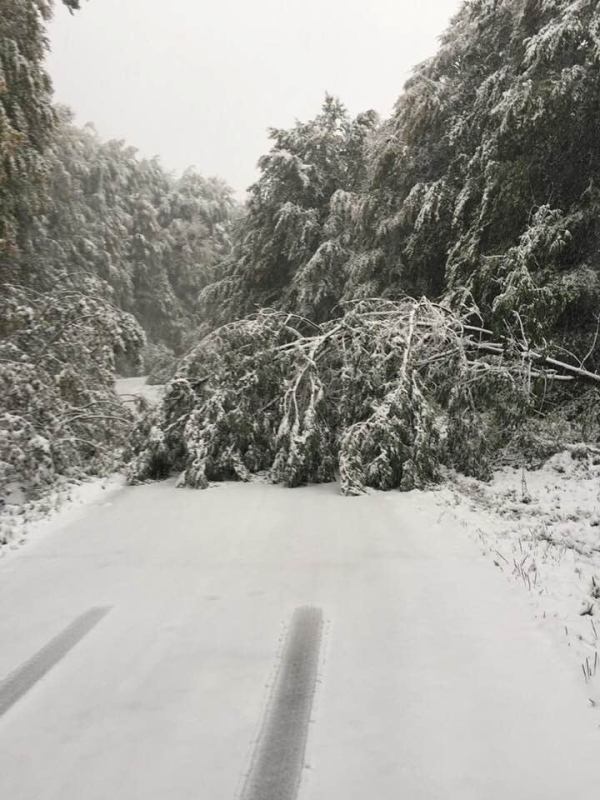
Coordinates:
x,y
60,416
304,355
384,395
486,176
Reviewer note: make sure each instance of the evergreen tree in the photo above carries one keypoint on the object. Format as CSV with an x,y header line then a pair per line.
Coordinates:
x,y
292,243
59,415
149,240
481,190
26,120
484,180
26,124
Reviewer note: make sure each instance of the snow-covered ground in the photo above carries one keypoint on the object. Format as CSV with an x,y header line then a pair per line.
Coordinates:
x,y
23,521
541,528
435,681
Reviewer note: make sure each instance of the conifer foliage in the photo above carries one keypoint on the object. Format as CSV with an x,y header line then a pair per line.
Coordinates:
x,y
26,119
486,176
151,240
295,238
480,189
309,358
383,395
60,416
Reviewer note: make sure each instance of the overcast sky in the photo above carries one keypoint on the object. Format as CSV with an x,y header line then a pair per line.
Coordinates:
x,y
199,81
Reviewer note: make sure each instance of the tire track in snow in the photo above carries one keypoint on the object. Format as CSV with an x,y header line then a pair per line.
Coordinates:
x,y
22,679
276,768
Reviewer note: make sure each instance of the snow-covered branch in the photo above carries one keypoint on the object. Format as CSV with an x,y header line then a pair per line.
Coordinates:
x,y
383,395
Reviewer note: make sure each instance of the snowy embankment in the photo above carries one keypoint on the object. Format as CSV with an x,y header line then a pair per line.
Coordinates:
x,y
25,522
542,530
21,519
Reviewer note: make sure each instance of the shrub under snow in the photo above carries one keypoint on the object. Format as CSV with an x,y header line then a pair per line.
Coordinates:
x,y
59,414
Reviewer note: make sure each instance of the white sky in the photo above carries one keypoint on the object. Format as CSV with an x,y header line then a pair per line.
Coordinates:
x,y
199,81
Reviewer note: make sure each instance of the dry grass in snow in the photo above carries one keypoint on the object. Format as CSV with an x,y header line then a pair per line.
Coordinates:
x,y
542,529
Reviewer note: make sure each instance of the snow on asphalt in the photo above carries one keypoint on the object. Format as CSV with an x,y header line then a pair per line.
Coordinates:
x,y
435,681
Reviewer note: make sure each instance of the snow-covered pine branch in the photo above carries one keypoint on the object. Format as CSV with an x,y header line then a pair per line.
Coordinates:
x,y
383,396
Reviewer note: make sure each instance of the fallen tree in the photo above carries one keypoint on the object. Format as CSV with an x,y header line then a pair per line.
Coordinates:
x,y
382,397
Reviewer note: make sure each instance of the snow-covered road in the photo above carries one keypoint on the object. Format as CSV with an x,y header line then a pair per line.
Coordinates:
x,y
433,680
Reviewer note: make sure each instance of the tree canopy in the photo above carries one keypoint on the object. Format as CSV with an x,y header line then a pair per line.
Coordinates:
x,y
150,239
99,250
294,240
479,193
485,178
395,296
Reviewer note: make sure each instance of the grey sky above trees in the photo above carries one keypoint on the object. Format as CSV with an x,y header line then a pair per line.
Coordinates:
x,y
199,83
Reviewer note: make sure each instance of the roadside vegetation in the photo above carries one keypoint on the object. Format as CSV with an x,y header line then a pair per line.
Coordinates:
x,y
396,298
478,198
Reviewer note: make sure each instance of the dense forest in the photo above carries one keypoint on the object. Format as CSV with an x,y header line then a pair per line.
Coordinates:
x,y
102,257
396,298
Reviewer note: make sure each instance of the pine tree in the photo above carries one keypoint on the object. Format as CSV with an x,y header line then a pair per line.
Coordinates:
x,y
484,179
59,415
292,242
26,123
151,241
